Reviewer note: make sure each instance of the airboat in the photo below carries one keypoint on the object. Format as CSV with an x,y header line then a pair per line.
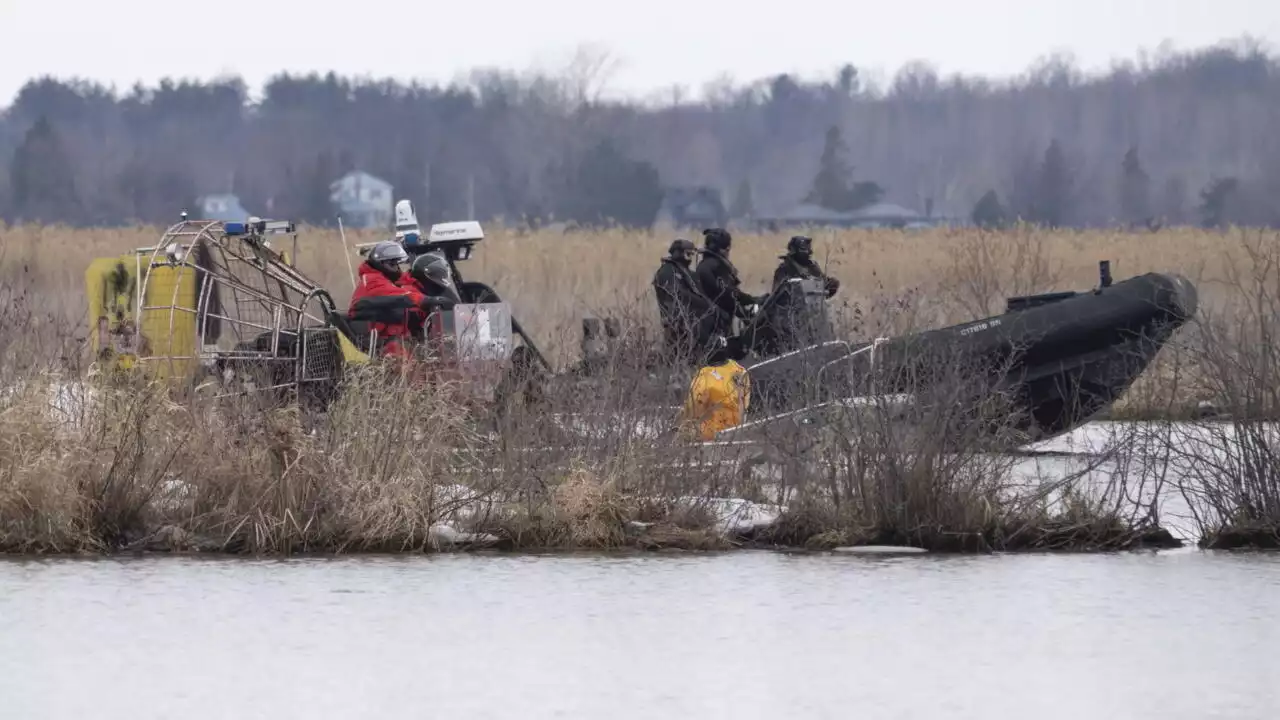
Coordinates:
x,y
217,300
221,302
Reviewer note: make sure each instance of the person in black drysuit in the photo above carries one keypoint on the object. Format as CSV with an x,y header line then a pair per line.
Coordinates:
x,y
689,318
794,323
718,279
798,263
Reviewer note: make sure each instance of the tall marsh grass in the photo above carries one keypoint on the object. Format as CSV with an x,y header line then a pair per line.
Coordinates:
x,y
554,279
144,466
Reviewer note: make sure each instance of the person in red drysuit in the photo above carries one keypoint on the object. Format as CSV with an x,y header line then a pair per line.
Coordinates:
x,y
387,297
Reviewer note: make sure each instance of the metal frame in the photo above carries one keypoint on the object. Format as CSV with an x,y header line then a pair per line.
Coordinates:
x,y
871,349
777,358
842,402
246,290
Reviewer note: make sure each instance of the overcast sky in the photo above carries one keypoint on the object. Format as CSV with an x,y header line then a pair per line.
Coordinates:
x,y
657,43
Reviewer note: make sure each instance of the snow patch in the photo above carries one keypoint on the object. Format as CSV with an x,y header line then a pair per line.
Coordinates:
x,y
737,516
441,534
879,550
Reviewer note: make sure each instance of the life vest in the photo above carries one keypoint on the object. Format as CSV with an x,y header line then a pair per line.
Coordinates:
x,y
718,399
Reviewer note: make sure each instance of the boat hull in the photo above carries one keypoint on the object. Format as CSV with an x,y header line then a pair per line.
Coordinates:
x,y
1061,362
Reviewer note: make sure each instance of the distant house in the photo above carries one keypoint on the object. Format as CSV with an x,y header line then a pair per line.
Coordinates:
x,y
363,201
691,208
223,208
883,214
876,215
805,214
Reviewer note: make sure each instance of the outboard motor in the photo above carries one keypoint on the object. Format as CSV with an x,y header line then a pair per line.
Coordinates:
x,y
600,339
595,349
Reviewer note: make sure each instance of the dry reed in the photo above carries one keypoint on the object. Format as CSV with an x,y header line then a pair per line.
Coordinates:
x,y
927,277
140,468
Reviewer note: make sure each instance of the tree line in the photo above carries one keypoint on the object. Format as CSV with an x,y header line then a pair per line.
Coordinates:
x,y
1178,138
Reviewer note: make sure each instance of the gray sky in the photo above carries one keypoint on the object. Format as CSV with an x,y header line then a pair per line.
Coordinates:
x,y
657,43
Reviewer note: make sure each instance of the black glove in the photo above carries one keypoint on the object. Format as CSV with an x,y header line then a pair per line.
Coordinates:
x,y
833,286
432,302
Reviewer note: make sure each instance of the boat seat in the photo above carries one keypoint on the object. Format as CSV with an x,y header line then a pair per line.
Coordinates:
x,y
360,328
359,332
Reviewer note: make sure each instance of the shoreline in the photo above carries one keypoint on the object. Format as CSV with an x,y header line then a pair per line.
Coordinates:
x,y
864,551
169,541
1048,537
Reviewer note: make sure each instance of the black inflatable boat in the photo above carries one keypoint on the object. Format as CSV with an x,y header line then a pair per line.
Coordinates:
x,y
1063,357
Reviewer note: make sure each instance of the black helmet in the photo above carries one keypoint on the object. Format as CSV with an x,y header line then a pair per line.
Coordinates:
x,y
433,271
680,245
716,239
681,251
800,246
388,257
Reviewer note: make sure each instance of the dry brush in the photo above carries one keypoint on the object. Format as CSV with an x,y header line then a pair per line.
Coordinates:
x,y
142,466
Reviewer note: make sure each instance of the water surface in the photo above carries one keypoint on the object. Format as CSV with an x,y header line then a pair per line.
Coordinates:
x,y
1180,634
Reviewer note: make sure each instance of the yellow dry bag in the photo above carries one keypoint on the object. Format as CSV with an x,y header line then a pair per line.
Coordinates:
x,y
718,399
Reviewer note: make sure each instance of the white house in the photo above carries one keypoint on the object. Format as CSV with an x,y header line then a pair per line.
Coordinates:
x,y
364,201
691,208
224,208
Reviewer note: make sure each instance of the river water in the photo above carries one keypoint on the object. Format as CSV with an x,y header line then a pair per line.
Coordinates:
x,y
1178,634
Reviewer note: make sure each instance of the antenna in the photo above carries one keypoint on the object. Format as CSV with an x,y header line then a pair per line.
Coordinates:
x,y
346,252
471,196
